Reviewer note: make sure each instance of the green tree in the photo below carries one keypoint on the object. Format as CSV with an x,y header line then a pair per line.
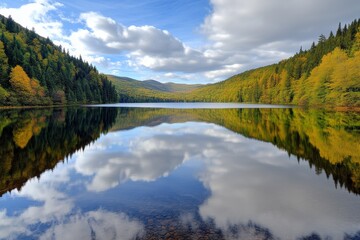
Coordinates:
x,y
3,95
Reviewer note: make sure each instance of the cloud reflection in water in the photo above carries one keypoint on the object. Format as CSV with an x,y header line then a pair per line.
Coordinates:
x,y
249,180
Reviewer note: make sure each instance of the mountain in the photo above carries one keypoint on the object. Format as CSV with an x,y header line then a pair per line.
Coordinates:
x,y
34,71
131,90
327,74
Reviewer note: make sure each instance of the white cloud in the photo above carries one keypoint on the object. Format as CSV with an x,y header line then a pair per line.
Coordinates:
x,y
227,70
170,76
103,62
146,46
240,24
105,35
36,15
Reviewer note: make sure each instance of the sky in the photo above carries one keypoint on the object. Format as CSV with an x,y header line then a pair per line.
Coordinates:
x,y
187,41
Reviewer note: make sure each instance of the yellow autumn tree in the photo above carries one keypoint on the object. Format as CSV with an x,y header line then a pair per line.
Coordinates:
x,y
37,88
28,91
20,82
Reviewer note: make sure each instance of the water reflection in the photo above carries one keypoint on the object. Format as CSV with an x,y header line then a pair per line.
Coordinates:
x,y
98,224
33,141
328,141
53,214
180,173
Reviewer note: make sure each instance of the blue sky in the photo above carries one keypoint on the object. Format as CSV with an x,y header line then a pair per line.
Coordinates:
x,y
178,17
196,41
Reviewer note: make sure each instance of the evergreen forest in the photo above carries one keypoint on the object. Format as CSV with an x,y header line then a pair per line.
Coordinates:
x,y
35,140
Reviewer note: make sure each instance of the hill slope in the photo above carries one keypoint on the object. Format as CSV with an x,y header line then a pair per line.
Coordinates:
x,y
34,71
131,90
326,74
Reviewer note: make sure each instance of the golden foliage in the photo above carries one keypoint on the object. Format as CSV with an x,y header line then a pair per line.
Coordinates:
x,y
20,81
37,89
29,90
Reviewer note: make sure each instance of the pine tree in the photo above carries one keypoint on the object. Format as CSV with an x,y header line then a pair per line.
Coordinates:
x,y
10,25
339,31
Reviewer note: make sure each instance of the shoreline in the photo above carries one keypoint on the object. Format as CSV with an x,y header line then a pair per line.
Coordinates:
x,y
339,109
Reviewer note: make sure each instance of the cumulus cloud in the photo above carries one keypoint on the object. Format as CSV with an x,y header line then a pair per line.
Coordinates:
x,y
240,25
146,46
36,14
113,37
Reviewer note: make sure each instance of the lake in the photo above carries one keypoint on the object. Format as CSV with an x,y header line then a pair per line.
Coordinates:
x,y
179,171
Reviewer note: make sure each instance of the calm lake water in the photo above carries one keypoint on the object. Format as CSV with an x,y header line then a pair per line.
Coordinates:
x,y
199,172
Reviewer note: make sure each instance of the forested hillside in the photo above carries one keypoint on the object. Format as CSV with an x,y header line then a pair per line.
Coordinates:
x,y
326,74
131,90
34,71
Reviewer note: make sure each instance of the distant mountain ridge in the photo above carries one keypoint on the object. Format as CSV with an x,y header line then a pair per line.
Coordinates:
x,y
132,90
